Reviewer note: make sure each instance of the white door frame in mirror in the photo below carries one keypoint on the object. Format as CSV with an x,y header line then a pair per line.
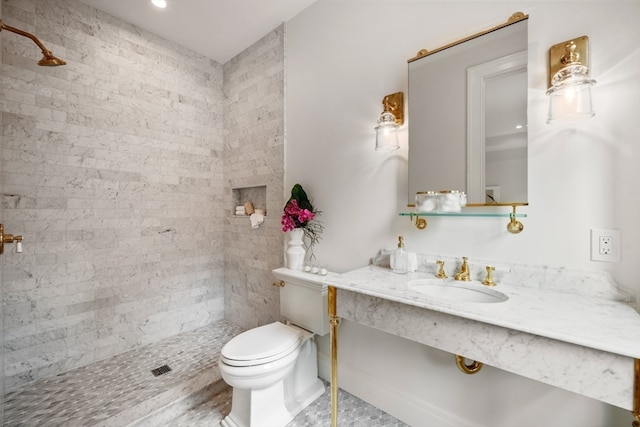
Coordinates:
x,y
476,79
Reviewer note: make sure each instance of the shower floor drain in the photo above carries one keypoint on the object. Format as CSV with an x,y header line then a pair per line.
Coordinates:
x,y
161,370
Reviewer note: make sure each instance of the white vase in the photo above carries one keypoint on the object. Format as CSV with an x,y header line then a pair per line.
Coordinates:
x,y
295,249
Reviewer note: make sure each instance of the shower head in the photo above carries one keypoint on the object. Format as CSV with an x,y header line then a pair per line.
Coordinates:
x,y
48,59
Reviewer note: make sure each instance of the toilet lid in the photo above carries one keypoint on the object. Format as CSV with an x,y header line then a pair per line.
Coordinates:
x,y
264,342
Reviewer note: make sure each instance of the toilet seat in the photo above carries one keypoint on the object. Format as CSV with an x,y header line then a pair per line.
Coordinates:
x,y
261,345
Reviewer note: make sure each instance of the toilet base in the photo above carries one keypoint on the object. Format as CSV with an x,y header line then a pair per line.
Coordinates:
x,y
305,399
279,413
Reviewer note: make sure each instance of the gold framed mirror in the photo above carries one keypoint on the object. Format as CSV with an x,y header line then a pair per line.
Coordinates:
x,y
467,116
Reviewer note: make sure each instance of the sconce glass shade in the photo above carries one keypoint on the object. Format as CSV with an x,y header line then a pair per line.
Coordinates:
x,y
570,95
387,133
569,82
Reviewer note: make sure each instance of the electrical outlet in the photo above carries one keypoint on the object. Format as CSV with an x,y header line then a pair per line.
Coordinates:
x,y
605,245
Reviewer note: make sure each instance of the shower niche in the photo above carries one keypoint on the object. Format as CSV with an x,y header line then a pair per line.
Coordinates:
x,y
257,196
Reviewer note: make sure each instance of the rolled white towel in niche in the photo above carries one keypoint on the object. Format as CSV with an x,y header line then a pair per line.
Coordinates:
x,y
256,218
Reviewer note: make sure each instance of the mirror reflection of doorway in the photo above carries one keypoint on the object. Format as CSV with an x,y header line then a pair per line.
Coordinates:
x,y
497,129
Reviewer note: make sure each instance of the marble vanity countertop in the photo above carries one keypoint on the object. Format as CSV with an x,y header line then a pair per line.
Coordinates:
x,y
597,323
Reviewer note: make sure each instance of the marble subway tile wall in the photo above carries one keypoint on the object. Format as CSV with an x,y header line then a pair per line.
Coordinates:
x,y
113,172
254,157
1,266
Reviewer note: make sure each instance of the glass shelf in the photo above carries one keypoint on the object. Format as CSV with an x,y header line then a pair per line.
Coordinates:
x,y
514,226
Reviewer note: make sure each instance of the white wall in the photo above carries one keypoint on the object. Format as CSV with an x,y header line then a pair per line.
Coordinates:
x,y
342,58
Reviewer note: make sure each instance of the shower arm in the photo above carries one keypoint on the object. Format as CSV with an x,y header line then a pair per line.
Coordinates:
x,y
46,52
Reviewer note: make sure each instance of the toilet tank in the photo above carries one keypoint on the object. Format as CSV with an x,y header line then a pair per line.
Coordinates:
x,y
303,299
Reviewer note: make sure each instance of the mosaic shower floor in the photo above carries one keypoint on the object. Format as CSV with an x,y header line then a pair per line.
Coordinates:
x,y
121,391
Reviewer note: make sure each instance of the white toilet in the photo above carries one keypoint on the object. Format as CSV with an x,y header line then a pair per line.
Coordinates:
x,y
273,369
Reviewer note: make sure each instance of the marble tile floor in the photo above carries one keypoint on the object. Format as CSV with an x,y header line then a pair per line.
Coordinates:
x,y
122,391
352,412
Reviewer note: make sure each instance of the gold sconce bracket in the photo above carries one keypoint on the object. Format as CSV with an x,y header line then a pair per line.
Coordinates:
x,y
468,368
394,104
569,52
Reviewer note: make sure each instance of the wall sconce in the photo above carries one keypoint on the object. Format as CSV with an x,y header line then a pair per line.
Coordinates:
x,y
569,82
390,120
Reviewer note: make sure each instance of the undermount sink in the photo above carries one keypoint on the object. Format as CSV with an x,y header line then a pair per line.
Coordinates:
x,y
457,291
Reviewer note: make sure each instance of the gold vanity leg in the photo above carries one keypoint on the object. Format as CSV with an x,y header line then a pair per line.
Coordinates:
x,y
636,394
333,321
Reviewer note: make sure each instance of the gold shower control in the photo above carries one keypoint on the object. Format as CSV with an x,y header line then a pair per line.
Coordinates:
x,y
9,238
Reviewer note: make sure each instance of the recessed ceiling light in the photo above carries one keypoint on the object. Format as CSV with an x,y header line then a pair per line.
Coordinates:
x,y
518,126
159,3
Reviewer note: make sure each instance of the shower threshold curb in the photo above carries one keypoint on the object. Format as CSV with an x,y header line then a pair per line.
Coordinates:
x,y
174,408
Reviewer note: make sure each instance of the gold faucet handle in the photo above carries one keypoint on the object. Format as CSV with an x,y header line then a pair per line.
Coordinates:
x,y
441,274
489,279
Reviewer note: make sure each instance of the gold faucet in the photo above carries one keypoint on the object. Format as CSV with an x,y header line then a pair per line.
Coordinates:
x,y
441,274
464,274
489,279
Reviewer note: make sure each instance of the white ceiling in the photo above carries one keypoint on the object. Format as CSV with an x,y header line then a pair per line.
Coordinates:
x,y
218,29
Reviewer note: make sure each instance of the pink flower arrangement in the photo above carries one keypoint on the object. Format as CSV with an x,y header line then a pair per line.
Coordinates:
x,y
300,213
294,216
